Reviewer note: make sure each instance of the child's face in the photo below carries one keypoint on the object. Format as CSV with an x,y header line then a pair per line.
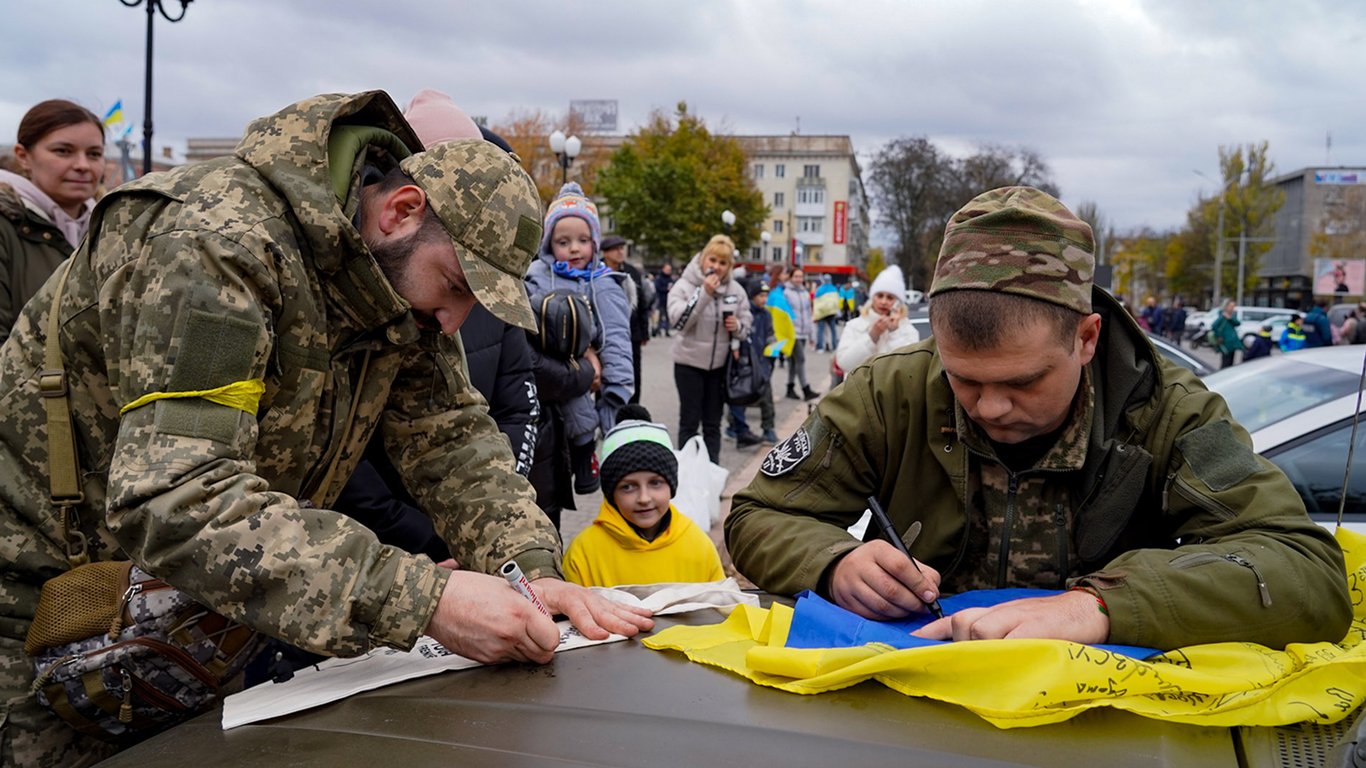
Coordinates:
x,y
642,498
572,241
760,299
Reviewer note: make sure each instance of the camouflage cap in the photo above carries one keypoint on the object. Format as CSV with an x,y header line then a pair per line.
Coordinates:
x,y
489,206
1018,240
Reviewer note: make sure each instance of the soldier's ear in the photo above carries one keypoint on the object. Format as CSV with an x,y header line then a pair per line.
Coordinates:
x,y
1088,336
401,210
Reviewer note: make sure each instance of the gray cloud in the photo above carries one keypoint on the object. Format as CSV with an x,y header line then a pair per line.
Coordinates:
x,y
1124,98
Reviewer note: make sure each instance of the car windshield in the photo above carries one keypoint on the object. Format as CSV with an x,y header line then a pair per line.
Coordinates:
x,y
1259,395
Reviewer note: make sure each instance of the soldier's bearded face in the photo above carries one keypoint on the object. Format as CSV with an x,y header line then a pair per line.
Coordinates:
x,y
1025,386
423,269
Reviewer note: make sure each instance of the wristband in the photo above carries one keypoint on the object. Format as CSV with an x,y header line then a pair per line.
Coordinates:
x,y
1100,601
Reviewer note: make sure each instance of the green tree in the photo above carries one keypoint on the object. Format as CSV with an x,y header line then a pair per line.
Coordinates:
x,y
669,182
1250,204
877,262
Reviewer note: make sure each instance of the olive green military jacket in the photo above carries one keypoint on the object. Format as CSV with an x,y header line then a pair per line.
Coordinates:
x,y
1160,502
250,268
31,247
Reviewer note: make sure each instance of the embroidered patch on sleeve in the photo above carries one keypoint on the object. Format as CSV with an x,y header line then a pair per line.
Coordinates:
x,y
785,456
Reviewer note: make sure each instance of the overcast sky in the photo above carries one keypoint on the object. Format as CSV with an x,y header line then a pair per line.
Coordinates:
x,y
1125,99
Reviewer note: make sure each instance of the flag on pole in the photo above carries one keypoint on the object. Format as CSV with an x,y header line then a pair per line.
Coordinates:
x,y
115,113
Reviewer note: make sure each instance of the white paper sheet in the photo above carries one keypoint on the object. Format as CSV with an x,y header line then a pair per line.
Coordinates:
x,y
336,679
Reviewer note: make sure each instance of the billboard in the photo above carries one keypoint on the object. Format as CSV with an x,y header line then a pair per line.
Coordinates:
x,y
841,220
1339,277
1339,177
595,115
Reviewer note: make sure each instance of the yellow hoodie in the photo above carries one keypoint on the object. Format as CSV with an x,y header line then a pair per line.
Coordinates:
x,y
609,552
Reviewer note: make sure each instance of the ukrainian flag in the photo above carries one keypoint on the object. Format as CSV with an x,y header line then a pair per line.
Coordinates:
x,y
115,114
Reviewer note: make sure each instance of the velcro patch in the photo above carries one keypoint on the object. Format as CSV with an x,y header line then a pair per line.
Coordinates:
x,y
785,456
528,235
214,350
1217,457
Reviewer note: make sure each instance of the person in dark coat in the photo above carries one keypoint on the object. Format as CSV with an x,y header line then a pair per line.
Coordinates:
x,y
614,256
663,282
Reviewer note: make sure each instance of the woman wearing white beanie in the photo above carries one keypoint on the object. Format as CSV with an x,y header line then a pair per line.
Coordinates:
x,y
881,326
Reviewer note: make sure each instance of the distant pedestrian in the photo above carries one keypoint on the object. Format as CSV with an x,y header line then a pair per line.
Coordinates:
x,y
614,256
881,327
1261,345
825,309
760,336
1293,337
1175,321
799,306
709,309
1226,339
1354,327
1318,332
664,281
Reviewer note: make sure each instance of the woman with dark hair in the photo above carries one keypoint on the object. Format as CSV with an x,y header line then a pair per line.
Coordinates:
x,y
45,206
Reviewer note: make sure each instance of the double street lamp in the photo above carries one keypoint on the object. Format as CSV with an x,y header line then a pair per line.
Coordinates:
x,y
565,149
765,236
153,7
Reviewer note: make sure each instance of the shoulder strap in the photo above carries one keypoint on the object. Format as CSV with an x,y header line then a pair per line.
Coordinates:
x,y
64,469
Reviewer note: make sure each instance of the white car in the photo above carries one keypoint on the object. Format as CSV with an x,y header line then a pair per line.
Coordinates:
x,y
1250,322
1298,408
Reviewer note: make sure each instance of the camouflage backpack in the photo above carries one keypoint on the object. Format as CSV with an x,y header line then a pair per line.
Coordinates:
x,y
118,652
565,321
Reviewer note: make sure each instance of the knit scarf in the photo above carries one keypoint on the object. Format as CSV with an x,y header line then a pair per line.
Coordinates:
x,y
562,269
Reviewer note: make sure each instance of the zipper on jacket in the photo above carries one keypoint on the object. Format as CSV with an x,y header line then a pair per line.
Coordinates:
x,y
1237,559
1193,559
1201,500
1004,554
1060,525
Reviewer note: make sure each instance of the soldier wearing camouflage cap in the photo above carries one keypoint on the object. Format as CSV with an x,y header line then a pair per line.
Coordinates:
x,y
1040,441
234,332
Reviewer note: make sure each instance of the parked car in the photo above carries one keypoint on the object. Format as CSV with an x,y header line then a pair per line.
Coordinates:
x,y
1250,322
1298,408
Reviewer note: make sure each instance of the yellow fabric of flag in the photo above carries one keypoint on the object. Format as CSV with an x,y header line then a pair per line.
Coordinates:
x,y
784,334
1048,681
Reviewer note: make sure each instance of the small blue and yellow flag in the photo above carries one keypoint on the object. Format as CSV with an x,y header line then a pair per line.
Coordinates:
x,y
115,113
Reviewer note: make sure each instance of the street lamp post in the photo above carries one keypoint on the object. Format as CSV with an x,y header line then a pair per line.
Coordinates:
x,y
153,7
727,219
565,149
764,236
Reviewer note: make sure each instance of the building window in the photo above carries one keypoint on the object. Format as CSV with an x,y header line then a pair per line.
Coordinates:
x,y
758,253
810,195
779,199
779,171
778,226
811,171
758,170
777,253
810,223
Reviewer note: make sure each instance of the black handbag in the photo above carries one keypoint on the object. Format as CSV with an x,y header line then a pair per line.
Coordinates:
x,y
745,376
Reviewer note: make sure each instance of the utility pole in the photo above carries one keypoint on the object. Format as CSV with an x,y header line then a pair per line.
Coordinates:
x,y
1215,299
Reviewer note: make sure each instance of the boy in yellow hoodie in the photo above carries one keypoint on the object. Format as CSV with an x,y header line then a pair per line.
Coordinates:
x,y
638,536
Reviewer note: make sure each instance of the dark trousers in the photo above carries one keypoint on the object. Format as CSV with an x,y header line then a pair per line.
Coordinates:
x,y
796,370
701,396
635,365
765,404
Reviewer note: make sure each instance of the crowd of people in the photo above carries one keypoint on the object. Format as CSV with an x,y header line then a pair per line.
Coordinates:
x,y
331,385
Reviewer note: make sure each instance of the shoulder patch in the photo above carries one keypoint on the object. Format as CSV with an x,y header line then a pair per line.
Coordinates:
x,y
1217,456
785,456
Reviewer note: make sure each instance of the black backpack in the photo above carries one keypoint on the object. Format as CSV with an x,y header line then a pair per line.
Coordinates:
x,y
565,320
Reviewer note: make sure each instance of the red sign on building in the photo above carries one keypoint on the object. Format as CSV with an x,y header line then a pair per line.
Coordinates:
x,y
841,220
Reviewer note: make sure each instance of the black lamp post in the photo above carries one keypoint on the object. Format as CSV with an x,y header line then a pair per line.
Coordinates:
x,y
565,149
153,6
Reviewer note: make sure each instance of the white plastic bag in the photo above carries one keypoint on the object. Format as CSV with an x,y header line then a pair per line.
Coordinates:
x,y
700,483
